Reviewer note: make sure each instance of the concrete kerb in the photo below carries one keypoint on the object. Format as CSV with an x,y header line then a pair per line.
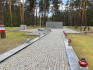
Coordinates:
x,y
77,32
72,57
10,53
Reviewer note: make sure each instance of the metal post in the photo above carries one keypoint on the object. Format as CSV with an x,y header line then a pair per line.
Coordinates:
x,y
69,42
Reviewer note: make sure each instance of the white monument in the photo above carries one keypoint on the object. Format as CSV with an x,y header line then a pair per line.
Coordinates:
x,y
23,27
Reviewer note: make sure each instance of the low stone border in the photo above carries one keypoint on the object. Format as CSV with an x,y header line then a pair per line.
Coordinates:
x,y
19,48
76,32
72,57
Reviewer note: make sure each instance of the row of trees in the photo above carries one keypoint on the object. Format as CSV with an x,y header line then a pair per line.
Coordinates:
x,y
79,13
18,12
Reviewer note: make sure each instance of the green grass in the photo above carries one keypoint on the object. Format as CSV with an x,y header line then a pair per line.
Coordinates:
x,y
31,27
12,40
83,46
18,28
13,28
78,29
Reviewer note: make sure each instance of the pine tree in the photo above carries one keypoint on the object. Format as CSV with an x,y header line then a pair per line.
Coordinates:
x,y
56,7
44,8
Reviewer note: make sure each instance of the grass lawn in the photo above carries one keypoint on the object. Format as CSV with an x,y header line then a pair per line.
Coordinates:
x,y
78,29
12,40
18,28
35,27
13,28
83,46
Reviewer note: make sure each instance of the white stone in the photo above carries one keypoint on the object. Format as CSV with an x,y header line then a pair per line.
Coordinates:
x,y
82,68
28,40
23,27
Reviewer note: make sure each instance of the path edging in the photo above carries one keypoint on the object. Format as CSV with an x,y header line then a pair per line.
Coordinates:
x,y
72,57
77,32
10,53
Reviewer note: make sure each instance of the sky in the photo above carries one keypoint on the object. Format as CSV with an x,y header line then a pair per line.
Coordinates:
x,y
64,1
61,7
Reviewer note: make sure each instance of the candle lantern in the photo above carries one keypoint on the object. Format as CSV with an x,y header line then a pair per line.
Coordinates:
x,y
83,65
28,40
64,32
66,36
69,42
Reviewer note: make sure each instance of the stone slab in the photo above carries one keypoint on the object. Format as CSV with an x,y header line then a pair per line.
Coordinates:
x,y
38,32
70,31
72,57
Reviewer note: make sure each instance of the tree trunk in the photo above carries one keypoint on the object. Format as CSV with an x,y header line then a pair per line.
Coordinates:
x,y
44,18
20,8
20,12
11,15
22,16
44,13
75,21
32,17
36,16
34,13
85,16
82,12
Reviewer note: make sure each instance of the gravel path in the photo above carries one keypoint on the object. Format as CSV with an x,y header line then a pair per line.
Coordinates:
x,y
47,53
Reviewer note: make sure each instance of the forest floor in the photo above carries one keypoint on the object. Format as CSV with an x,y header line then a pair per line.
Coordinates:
x,y
13,39
83,46
78,29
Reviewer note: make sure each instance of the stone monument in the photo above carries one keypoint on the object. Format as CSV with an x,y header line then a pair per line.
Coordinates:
x,y
54,25
23,27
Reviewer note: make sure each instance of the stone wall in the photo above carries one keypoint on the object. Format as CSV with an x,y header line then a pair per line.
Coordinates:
x,y
54,24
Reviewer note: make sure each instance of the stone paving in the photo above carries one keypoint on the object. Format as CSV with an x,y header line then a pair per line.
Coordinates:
x,y
37,32
67,30
47,53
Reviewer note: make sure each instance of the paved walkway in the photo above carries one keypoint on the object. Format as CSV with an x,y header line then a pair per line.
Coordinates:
x,y
67,30
47,53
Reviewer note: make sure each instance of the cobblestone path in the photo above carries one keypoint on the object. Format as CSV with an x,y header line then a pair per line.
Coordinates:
x,y
47,53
